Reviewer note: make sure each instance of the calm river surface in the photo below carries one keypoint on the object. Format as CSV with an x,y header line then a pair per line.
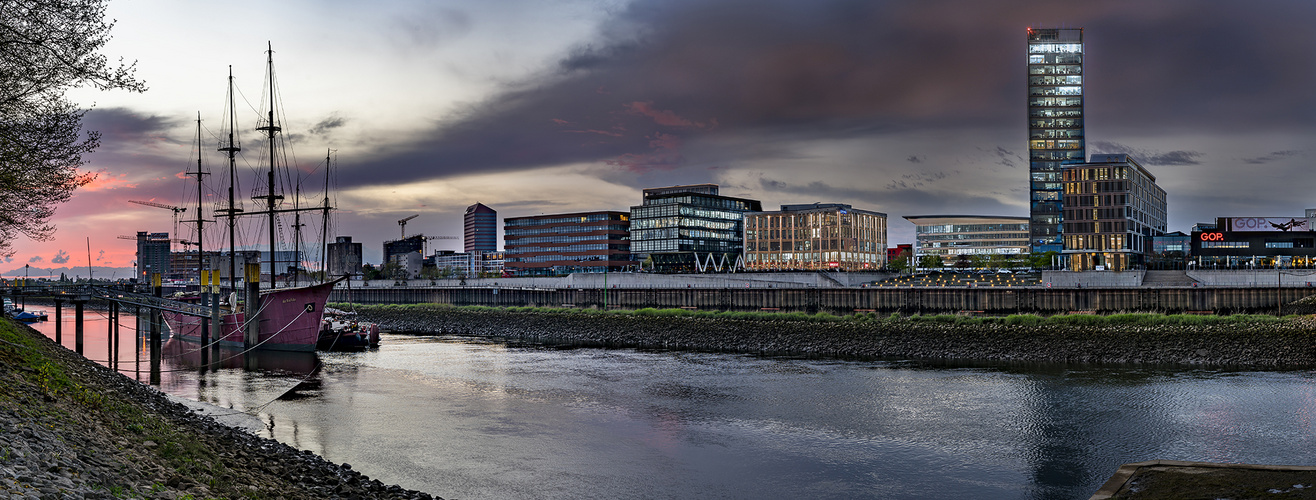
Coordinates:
x,y
474,418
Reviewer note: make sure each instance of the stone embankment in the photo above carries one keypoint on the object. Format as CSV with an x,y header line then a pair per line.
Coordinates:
x,y
70,428
1243,341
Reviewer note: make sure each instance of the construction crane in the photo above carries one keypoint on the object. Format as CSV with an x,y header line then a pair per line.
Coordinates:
x,y
403,224
177,210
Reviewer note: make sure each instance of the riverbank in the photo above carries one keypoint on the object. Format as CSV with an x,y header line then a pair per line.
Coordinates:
x,y
1222,341
71,428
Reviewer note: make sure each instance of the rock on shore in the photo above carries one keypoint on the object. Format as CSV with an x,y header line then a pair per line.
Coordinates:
x,y
1276,343
70,428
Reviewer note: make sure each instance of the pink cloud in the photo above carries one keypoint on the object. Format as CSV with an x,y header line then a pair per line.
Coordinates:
x,y
104,182
665,154
665,117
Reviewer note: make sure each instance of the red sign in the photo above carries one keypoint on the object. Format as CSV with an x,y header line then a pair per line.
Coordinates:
x,y
833,264
1213,236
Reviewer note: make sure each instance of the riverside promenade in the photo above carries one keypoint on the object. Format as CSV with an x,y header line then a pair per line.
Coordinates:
x,y
1215,292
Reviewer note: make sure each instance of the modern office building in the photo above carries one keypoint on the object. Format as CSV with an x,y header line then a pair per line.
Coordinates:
x,y
480,229
1113,209
1055,127
683,228
467,264
344,257
957,237
1255,242
558,244
814,237
152,255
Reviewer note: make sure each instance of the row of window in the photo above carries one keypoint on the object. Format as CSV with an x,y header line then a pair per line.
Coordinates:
x,y
788,245
698,201
534,221
1055,102
1054,58
1055,70
675,221
572,248
969,228
566,238
1055,48
1022,234
563,229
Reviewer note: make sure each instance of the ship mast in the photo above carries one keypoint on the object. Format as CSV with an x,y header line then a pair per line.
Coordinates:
x,y
232,210
324,228
270,128
200,195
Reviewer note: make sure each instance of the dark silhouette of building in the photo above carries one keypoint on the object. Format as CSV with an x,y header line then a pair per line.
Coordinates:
x,y
152,255
480,229
344,257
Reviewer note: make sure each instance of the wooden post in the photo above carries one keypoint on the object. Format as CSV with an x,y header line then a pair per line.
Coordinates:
x,y
114,320
77,325
252,307
59,324
156,347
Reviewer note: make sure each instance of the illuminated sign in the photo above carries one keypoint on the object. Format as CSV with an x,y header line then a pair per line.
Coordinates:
x,y
1213,236
1267,224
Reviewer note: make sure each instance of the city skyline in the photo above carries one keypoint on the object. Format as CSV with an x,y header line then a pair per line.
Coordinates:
x,y
539,108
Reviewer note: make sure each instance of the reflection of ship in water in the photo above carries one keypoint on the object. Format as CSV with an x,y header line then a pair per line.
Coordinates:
x,y
189,354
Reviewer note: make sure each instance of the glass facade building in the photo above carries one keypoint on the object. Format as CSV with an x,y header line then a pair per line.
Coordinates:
x,y
1113,209
679,228
551,245
813,237
952,236
1055,127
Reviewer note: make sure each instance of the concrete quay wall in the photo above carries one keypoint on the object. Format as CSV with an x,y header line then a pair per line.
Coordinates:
x,y
995,301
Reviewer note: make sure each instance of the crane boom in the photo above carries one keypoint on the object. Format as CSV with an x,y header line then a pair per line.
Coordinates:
x,y
403,224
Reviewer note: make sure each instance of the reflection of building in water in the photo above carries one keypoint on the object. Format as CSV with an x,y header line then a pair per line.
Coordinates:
x,y
1251,242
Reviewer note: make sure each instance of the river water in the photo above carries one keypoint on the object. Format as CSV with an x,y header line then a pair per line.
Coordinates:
x,y
476,418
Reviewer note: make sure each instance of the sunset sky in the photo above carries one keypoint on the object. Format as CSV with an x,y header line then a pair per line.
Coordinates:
x,y
534,107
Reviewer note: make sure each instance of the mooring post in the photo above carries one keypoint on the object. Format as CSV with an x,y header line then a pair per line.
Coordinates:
x,y
216,320
205,321
59,324
77,325
158,291
252,307
114,320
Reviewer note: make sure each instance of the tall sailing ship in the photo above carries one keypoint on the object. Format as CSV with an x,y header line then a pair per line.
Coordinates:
x,y
287,319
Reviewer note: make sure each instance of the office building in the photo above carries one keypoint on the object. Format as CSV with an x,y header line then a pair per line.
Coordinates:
x,y
1055,127
344,257
958,238
1113,209
480,229
815,237
152,255
681,228
1255,242
558,244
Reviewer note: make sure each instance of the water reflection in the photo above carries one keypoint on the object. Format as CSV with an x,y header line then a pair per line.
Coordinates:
x,y
480,418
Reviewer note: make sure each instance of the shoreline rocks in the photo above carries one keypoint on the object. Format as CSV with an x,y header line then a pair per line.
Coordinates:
x,y
1278,344
70,428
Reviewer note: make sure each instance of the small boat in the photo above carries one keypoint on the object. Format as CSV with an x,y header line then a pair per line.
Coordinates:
x,y
21,315
340,331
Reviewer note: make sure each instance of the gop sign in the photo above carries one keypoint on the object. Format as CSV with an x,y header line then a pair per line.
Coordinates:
x,y
1267,224
1213,236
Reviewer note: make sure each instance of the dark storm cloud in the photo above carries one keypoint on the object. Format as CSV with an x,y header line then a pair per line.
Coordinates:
x,y
60,258
1146,156
664,74
1277,155
121,126
328,124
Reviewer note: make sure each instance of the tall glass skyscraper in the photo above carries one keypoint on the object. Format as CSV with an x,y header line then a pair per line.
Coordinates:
x,y
1055,126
